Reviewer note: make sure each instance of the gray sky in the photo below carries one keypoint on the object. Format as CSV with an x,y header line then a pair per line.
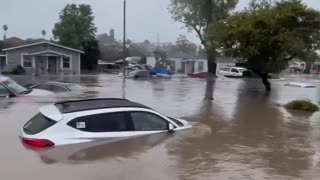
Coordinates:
x,y
146,18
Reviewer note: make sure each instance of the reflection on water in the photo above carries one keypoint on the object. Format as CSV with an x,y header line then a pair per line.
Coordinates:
x,y
242,134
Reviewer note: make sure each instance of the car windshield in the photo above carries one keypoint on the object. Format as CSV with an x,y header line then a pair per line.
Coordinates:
x,y
17,88
176,121
242,70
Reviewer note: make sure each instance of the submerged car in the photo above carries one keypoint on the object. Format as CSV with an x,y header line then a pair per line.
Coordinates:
x,y
57,87
82,121
137,74
232,72
300,85
10,88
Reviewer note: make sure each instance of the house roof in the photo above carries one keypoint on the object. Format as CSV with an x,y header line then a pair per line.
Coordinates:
x,y
47,51
42,42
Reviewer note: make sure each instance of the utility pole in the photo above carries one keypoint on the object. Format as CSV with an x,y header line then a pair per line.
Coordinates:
x,y
124,39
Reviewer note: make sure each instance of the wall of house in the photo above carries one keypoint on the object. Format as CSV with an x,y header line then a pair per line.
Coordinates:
x,y
14,58
186,67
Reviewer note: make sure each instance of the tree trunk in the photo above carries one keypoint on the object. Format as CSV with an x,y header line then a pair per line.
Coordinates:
x,y
212,66
265,81
212,69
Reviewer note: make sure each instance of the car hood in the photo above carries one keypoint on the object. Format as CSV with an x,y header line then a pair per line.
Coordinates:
x,y
39,92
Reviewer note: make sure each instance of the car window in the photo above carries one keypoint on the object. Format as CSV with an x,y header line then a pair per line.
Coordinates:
x,y
242,70
57,88
180,124
38,124
144,121
73,87
234,70
110,122
44,87
51,87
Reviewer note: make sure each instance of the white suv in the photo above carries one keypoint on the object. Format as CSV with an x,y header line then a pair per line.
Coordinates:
x,y
95,119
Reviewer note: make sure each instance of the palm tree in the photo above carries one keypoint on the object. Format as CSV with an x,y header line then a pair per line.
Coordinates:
x,y
5,28
44,32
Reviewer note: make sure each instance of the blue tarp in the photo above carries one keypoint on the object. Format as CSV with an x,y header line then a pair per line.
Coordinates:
x,y
160,71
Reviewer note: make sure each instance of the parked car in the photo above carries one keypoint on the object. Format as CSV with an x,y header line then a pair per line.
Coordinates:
x,y
300,85
10,88
295,69
81,121
233,71
57,87
147,67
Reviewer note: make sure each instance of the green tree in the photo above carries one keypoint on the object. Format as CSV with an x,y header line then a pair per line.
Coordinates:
x,y
76,29
75,26
267,36
89,59
197,15
185,46
161,59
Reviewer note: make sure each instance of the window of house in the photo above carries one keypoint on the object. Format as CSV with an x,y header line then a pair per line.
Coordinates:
x,y
99,123
3,62
200,66
66,62
27,61
143,121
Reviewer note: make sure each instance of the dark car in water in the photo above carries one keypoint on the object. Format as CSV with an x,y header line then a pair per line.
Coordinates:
x,y
57,87
10,88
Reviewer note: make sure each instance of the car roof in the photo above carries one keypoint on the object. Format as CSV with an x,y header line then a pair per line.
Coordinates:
x,y
239,68
94,104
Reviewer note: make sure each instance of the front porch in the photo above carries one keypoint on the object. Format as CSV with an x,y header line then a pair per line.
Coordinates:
x,y
46,62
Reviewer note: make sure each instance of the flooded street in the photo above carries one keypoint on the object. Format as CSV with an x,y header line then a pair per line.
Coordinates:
x,y
243,134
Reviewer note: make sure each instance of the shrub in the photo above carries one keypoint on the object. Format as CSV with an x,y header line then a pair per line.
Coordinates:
x,y
303,105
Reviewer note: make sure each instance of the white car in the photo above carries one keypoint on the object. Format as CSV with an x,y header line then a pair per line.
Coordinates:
x,y
9,88
234,71
84,121
301,85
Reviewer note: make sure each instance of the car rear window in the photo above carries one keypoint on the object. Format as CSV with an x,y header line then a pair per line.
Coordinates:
x,y
38,124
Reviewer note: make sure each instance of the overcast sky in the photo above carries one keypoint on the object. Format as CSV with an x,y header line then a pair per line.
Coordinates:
x,y
146,18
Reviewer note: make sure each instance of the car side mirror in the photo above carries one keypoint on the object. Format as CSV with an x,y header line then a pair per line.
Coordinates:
x,y
171,128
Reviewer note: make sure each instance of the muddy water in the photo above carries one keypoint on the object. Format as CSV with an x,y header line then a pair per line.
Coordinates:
x,y
242,134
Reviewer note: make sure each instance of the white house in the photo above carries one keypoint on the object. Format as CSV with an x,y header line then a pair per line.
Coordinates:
x,y
192,65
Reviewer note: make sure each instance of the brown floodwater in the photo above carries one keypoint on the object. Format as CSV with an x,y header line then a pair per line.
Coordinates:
x,y
242,134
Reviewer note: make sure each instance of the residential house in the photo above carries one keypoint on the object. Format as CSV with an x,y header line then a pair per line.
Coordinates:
x,y
191,65
42,58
